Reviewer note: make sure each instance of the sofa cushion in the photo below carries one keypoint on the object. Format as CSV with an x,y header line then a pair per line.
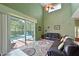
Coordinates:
x,y
55,52
71,50
60,47
69,41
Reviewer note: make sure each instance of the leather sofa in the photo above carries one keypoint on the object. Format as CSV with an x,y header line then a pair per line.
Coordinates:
x,y
51,36
69,49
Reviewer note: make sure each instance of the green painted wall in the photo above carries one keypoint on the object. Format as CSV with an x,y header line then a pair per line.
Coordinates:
x,y
61,17
33,10
75,6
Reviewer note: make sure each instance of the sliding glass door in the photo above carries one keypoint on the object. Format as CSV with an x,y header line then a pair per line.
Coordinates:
x,y
14,32
20,31
29,30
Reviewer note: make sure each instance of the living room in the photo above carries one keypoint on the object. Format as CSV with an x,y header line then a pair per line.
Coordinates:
x,y
39,21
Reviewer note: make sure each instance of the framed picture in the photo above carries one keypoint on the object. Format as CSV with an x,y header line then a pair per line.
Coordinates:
x,y
56,27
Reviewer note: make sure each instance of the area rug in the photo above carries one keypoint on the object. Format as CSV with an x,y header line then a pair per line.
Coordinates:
x,y
30,51
37,48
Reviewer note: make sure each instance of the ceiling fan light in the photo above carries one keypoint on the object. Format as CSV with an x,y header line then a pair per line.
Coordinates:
x,y
49,7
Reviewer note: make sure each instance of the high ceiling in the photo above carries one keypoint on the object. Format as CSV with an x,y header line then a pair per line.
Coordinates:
x,y
30,9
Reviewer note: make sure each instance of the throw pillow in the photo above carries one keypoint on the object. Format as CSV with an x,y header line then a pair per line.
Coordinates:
x,y
61,46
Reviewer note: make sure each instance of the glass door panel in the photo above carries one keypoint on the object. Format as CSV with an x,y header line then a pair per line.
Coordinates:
x,y
17,36
29,31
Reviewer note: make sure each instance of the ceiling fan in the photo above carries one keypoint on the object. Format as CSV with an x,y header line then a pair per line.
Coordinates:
x,y
49,7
